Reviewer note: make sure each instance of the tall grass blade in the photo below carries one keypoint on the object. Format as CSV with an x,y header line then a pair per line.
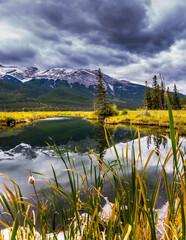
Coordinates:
x,y
172,132
15,229
126,232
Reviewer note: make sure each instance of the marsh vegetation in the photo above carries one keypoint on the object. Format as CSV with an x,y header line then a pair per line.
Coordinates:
x,y
77,211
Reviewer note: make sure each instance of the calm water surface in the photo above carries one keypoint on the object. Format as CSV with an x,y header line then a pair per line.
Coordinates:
x,y
25,149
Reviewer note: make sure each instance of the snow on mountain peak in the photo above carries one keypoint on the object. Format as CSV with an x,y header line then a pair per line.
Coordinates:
x,y
82,76
85,77
21,73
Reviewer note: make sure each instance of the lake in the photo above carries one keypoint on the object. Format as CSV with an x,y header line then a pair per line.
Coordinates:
x,y
24,149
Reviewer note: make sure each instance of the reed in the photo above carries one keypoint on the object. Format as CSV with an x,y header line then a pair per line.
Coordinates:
x,y
79,213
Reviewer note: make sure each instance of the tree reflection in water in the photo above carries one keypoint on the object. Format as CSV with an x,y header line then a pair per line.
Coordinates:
x,y
99,134
157,139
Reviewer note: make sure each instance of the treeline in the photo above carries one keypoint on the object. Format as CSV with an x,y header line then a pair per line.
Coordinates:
x,y
156,97
183,101
41,106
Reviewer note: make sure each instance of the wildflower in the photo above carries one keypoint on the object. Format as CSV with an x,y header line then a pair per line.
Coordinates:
x,y
31,180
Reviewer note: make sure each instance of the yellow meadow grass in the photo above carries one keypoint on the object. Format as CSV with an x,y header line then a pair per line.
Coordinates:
x,y
157,117
138,117
27,117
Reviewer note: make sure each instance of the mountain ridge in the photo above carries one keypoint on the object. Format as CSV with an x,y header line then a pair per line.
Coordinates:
x,y
25,74
62,89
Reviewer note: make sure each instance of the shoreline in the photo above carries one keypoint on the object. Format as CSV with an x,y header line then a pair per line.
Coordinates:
x,y
122,207
156,118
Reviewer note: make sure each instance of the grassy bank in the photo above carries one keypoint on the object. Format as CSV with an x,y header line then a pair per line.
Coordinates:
x,y
154,118
28,117
158,118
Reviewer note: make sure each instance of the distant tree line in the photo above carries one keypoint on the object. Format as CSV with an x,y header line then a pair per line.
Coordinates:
x,y
183,101
156,97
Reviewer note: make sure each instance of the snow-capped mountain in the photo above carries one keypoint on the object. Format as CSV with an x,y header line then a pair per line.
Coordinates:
x,y
82,76
20,73
67,86
85,77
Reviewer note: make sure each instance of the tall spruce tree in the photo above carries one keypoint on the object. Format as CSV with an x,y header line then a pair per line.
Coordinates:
x,y
159,96
156,98
176,99
183,101
148,100
155,93
162,95
103,105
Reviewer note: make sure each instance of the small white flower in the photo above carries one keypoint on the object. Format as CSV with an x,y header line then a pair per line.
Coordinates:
x,y
31,180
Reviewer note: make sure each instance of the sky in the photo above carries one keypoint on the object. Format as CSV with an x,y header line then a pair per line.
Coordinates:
x,y
128,39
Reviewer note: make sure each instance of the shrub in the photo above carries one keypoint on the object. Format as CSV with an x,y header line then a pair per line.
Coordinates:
x,y
114,111
10,121
110,110
124,112
145,113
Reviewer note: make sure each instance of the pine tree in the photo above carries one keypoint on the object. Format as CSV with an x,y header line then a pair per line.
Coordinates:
x,y
183,101
103,105
158,97
162,95
148,100
176,99
155,93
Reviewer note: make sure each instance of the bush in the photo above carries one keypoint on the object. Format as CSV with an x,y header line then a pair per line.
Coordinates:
x,y
10,121
124,112
114,111
145,113
108,111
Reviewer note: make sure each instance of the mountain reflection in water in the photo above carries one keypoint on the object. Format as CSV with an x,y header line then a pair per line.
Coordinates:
x,y
25,149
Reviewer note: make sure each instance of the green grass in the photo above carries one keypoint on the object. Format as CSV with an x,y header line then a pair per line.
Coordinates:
x,y
66,95
133,211
39,95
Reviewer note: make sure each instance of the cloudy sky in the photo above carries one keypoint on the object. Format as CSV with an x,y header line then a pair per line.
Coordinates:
x,y
127,39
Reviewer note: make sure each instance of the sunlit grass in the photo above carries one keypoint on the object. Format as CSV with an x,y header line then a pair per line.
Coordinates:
x,y
156,118
28,117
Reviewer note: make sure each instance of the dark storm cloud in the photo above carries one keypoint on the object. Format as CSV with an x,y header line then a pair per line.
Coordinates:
x,y
125,36
79,60
116,24
127,25
51,12
171,28
112,59
47,36
16,54
121,24
98,22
